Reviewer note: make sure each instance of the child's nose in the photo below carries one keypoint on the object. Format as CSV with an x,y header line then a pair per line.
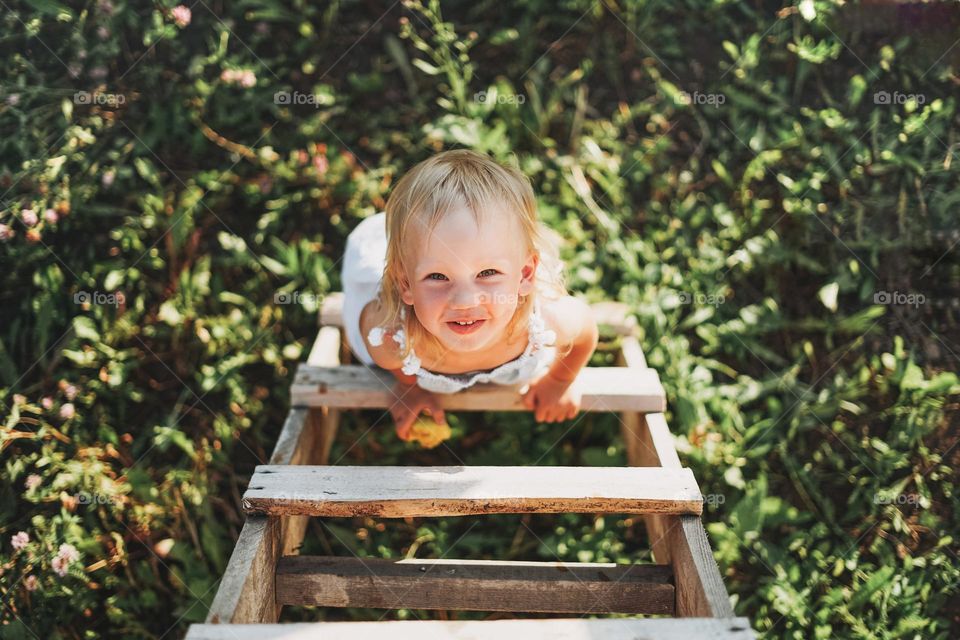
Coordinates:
x,y
467,298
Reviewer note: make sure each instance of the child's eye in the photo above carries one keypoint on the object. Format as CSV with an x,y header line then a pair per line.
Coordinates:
x,y
430,277
492,272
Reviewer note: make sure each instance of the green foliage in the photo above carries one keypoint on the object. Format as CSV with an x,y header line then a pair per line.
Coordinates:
x,y
733,172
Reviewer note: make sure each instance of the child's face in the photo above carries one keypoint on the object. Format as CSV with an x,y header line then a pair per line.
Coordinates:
x,y
462,272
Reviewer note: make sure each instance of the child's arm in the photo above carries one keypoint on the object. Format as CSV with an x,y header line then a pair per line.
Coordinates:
x,y
553,397
409,399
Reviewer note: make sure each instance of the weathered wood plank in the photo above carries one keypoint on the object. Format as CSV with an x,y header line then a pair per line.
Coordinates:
x,y
700,589
680,541
631,353
247,591
359,387
611,315
397,492
562,629
648,444
545,587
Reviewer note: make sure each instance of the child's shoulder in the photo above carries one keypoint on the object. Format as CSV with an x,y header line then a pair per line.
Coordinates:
x,y
568,316
384,350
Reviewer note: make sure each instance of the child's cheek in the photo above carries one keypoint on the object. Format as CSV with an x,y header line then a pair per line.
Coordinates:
x,y
431,304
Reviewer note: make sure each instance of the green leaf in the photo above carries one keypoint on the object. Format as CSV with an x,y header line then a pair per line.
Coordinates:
x,y
426,67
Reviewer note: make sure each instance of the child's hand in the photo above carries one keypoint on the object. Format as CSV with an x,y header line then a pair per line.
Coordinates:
x,y
408,402
553,400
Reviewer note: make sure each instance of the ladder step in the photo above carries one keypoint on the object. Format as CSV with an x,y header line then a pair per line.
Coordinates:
x,y
399,492
479,585
555,629
357,386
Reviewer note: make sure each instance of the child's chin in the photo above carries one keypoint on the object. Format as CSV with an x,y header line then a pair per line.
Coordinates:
x,y
466,342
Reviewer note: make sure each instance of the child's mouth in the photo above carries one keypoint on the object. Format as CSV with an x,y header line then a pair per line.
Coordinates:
x,y
464,329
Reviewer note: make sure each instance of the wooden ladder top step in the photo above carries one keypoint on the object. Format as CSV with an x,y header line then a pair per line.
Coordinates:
x,y
476,585
562,629
399,492
358,387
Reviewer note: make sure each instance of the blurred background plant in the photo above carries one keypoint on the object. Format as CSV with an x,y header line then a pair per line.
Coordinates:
x,y
772,189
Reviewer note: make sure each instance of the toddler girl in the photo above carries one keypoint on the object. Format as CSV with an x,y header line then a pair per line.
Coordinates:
x,y
457,283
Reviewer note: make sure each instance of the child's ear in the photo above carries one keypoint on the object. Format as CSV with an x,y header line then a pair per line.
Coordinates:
x,y
406,293
528,275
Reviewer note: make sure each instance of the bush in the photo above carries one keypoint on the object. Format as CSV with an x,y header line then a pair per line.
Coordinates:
x,y
771,190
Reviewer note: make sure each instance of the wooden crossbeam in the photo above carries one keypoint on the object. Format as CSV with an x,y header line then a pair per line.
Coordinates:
x,y
358,386
562,629
399,492
475,585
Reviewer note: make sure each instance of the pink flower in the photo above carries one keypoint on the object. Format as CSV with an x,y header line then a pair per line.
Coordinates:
x,y
19,398
60,566
181,15
29,217
32,482
46,403
68,552
5,232
67,411
70,391
243,77
20,540
107,178
30,582
321,164
50,216
61,562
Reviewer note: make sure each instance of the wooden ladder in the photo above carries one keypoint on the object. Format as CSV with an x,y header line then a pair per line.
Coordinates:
x,y
265,571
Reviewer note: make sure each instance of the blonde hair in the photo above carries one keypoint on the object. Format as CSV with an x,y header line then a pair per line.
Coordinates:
x,y
440,184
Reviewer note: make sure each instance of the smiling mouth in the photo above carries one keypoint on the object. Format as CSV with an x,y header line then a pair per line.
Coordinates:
x,y
465,326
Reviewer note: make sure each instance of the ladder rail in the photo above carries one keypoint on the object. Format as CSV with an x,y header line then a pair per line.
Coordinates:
x,y
247,592
679,541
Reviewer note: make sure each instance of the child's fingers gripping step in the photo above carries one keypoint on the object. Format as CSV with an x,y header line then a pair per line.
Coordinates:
x,y
528,400
404,419
403,430
435,410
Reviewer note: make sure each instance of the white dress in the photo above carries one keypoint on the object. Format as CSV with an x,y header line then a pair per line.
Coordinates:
x,y
363,263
